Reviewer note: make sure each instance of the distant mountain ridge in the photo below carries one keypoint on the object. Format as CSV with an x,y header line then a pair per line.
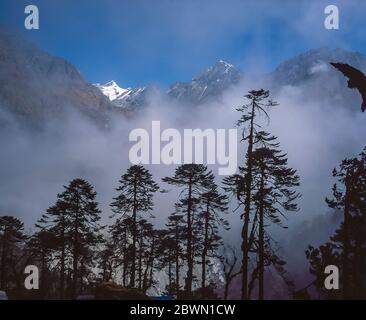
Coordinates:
x,y
311,71
129,99
209,84
302,67
36,86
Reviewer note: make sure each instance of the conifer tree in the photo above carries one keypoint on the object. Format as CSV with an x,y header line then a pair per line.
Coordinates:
x,y
12,238
242,184
56,221
346,248
121,233
273,196
107,260
135,195
213,204
81,216
176,230
39,249
193,179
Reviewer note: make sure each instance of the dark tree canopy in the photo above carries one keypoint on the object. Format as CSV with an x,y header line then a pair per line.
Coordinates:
x,y
347,247
135,194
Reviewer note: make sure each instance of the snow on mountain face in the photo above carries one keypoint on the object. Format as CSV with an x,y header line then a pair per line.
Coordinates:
x,y
112,90
128,99
309,71
135,98
208,84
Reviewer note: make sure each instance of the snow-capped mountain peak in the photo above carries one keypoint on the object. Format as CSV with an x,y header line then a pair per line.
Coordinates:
x,y
207,84
129,98
221,66
310,70
112,90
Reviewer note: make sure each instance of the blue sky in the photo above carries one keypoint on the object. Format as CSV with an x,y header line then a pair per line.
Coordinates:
x,y
141,42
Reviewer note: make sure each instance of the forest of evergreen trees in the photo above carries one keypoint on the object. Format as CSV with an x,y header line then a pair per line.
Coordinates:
x,y
75,252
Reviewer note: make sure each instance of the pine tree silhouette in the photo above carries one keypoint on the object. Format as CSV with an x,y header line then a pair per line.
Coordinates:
x,y
176,230
346,248
75,218
135,194
56,221
242,185
193,178
11,238
273,196
39,249
212,205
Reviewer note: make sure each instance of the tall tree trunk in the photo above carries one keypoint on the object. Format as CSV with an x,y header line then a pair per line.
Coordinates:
x,y
140,262
226,292
358,271
62,262
124,272
261,240
177,260
125,263
346,243
170,270
104,273
81,283
3,262
69,283
134,216
149,266
204,252
75,253
244,233
43,274
75,268
189,278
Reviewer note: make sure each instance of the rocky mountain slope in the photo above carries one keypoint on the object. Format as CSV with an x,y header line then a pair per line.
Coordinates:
x,y
35,86
312,72
128,99
207,85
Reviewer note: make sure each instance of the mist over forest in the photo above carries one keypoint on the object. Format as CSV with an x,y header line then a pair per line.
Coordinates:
x,y
85,136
